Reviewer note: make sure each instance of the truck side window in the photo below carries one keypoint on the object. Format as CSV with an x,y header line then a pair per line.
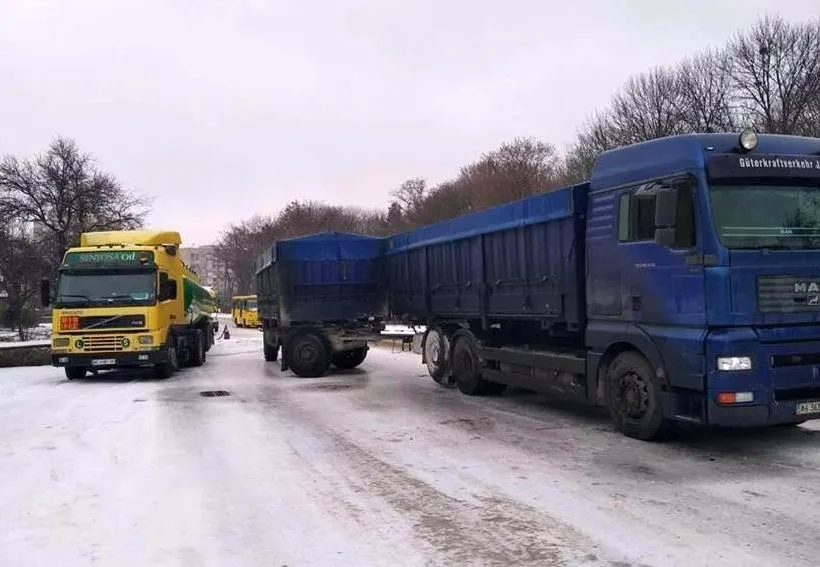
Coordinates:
x,y
636,218
162,292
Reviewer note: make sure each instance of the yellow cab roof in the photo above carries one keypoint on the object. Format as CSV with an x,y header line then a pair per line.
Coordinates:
x,y
130,237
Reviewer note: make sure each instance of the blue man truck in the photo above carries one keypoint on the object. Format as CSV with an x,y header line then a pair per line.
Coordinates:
x,y
321,298
681,283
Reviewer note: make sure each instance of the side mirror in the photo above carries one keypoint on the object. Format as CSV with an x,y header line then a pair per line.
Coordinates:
x,y
666,208
666,237
45,292
172,289
666,216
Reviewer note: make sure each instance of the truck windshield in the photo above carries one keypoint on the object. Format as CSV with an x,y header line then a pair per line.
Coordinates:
x,y
767,216
106,289
251,304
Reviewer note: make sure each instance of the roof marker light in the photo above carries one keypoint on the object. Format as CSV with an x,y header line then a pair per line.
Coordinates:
x,y
748,140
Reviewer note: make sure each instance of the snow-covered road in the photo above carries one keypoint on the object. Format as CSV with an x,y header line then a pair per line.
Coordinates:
x,y
376,466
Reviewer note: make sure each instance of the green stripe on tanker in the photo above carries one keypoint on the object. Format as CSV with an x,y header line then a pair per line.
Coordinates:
x,y
200,302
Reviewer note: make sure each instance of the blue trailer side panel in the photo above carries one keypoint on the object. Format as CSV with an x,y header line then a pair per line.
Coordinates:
x,y
519,260
323,277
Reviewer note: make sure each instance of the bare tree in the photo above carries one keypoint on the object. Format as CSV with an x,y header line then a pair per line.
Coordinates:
x,y
409,197
647,108
239,246
21,266
705,101
776,75
518,169
64,194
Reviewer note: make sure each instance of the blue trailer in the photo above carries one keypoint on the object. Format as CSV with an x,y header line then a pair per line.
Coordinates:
x,y
680,284
321,299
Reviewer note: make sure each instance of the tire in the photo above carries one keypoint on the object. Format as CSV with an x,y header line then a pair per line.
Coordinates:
x,y
437,357
197,356
271,350
75,372
307,354
165,370
467,369
633,398
209,337
349,358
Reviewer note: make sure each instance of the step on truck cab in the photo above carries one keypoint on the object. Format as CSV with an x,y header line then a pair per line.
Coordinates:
x,y
321,299
680,284
126,299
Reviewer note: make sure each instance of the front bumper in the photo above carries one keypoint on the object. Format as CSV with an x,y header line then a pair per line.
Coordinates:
x,y
107,361
756,415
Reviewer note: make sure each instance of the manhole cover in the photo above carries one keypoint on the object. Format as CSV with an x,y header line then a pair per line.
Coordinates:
x,y
214,393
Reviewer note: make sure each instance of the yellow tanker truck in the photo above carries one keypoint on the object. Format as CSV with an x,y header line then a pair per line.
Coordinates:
x,y
126,299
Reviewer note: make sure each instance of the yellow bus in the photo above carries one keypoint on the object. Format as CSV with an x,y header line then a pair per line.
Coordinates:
x,y
244,311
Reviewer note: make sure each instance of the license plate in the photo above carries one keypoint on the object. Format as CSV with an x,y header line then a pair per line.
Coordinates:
x,y
804,408
103,362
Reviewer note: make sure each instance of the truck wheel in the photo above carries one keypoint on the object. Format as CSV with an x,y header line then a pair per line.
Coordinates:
x,y
197,355
165,370
633,398
271,351
348,359
209,337
467,369
307,354
437,356
75,372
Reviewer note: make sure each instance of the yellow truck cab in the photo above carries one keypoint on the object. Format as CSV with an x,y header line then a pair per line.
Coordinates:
x,y
244,311
126,299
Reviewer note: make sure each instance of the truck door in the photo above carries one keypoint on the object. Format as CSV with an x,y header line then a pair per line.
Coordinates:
x,y
662,263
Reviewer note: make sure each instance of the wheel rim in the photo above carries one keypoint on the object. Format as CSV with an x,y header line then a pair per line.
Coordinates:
x,y
434,351
633,396
306,352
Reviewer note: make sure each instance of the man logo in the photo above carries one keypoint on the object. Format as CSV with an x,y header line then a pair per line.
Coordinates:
x,y
801,287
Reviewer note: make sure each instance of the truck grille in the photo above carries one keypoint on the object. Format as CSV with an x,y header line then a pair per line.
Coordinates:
x,y
107,343
788,294
113,322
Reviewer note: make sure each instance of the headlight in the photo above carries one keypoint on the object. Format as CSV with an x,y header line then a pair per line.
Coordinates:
x,y
734,363
146,340
61,342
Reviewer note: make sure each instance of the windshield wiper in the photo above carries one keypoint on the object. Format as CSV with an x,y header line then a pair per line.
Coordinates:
x,y
119,298
79,295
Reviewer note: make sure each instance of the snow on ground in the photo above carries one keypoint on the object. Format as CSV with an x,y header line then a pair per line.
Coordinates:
x,y
40,333
24,344
376,466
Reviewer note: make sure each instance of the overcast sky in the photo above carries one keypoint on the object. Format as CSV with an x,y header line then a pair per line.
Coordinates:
x,y
222,109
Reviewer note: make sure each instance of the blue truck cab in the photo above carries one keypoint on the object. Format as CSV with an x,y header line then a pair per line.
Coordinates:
x,y
681,283
703,253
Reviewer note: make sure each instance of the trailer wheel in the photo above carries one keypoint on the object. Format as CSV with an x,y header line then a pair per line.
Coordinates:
x,y
437,356
633,398
165,370
75,372
467,369
271,350
307,354
196,356
348,359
